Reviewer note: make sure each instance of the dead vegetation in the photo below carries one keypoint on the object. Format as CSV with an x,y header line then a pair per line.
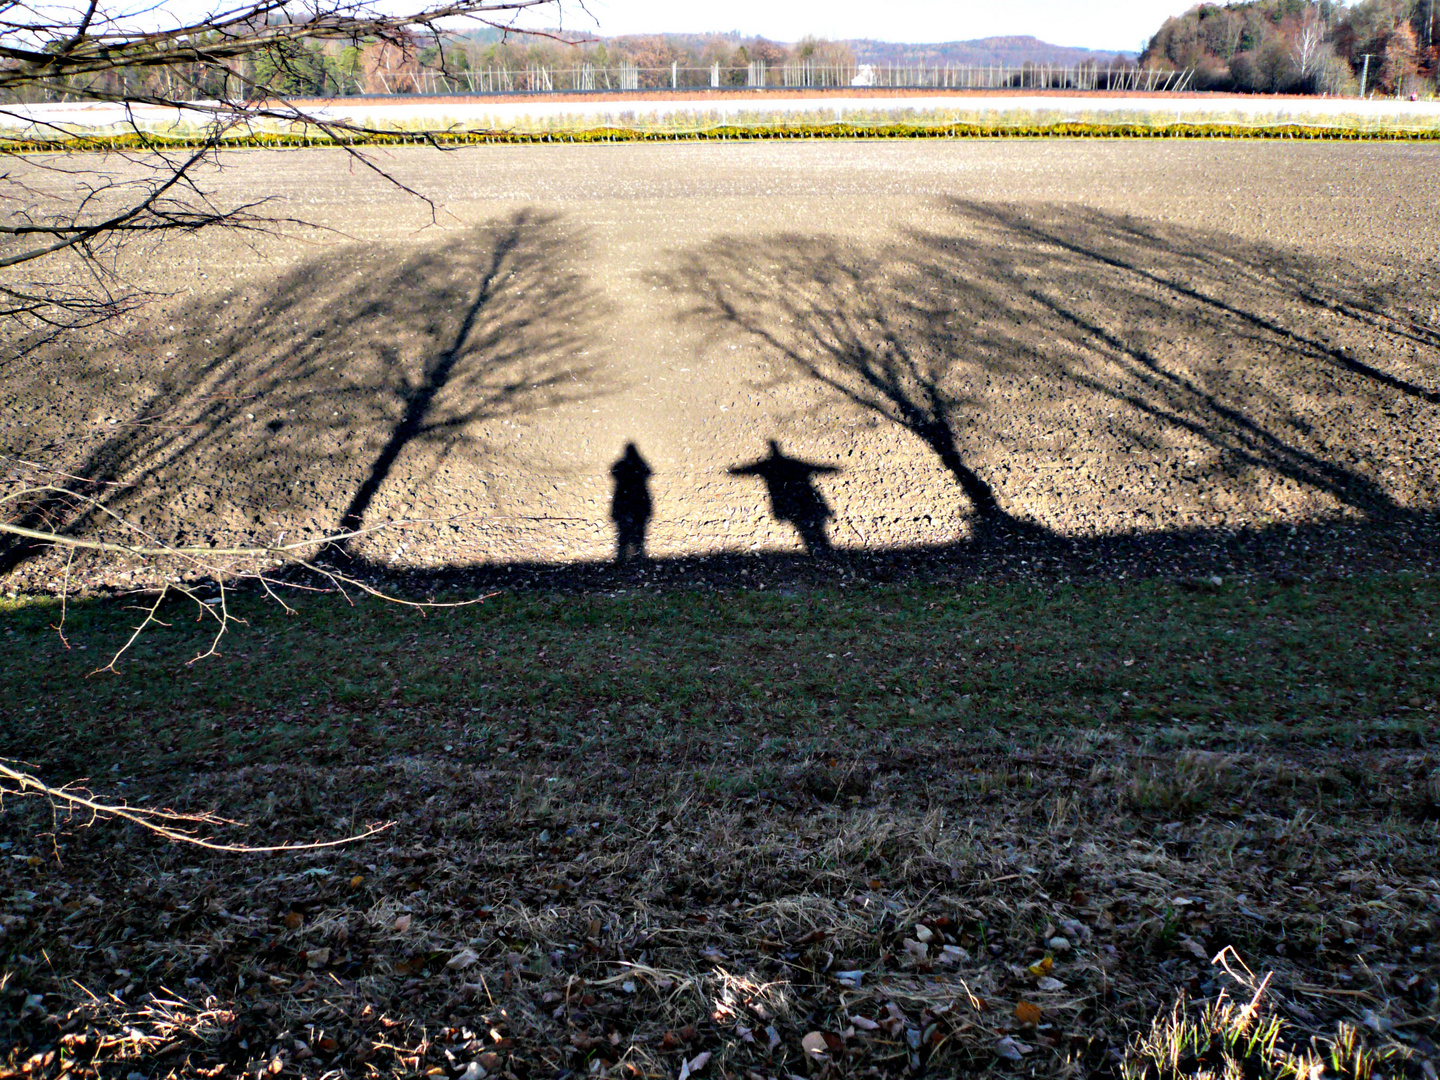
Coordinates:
x,y
954,912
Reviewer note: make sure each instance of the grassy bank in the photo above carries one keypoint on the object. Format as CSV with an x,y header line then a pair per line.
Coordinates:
x,y
1152,662
873,830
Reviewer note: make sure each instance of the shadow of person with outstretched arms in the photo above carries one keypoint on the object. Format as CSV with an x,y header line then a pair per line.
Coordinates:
x,y
793,495
630,507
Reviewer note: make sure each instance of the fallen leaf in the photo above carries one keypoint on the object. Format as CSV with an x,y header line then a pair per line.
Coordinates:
x,y
294,920
462,960
1049,982
317,958
403,923
1027,1013
694,1065
1041,967
357,881
815,1046
1011,1050
864,1023
1376,1023
1194,948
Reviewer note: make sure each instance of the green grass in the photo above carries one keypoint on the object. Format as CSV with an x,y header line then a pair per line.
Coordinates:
x,y
726,676
587,788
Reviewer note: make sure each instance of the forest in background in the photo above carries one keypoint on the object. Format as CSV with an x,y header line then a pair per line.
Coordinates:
x,y
329,69
1388,47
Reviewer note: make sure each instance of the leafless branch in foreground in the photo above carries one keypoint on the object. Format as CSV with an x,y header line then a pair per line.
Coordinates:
x,y
217,568
231,70
173,825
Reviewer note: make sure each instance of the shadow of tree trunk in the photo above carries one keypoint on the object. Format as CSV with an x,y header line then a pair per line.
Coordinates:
x,y
1014,328
297,398
821,311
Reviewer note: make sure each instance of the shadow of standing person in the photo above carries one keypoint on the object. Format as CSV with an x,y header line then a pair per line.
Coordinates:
x,y
793,495
630,508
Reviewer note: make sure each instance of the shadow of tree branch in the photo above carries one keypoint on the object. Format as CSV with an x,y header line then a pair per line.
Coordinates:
x,y
298,398
1007,326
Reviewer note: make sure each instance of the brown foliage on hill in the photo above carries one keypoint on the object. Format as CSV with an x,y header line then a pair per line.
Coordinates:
x,y
1292,46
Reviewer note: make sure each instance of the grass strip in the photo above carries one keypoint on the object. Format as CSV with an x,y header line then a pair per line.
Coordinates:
x,y
731,672
1001,827
726,132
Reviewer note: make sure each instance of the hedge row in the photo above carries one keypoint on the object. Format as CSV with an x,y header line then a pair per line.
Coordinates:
x,y
287,140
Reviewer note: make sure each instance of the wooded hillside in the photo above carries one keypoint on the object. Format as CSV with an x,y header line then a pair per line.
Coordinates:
x,y
1292,46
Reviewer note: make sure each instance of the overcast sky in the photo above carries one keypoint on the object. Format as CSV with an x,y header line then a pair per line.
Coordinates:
x,y
1096,24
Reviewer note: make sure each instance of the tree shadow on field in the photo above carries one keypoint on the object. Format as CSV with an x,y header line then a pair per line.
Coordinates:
x,y
1081,371
295,401
839,320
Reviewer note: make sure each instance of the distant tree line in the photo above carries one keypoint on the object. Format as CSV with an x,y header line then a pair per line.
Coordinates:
x,y
1386,47
1264,46
652,54
300,67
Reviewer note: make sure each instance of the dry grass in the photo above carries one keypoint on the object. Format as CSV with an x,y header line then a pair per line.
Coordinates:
x,y
939,912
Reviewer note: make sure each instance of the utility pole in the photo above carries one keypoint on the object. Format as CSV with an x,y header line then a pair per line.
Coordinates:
x,y
1365,71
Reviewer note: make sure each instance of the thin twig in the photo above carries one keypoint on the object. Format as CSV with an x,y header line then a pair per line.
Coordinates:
x,y
27,784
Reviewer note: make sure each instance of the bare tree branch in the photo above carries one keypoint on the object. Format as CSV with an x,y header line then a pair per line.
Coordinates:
x,y
212,565
170,824
206,68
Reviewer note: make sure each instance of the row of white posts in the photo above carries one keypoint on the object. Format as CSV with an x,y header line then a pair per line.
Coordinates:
x,y
799,74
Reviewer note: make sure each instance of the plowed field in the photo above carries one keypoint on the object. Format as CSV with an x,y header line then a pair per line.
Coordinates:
x,y
1105,338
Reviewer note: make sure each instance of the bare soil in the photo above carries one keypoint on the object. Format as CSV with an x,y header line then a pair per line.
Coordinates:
x,y
1111,339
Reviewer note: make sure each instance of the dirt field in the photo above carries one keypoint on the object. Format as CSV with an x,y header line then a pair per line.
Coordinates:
x,y
1086,339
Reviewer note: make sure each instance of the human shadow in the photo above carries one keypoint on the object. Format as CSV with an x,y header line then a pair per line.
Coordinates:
x,y
630,505
794,498
289,404
1077,370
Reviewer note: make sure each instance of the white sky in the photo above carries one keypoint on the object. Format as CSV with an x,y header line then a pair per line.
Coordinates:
x,y
1096,24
